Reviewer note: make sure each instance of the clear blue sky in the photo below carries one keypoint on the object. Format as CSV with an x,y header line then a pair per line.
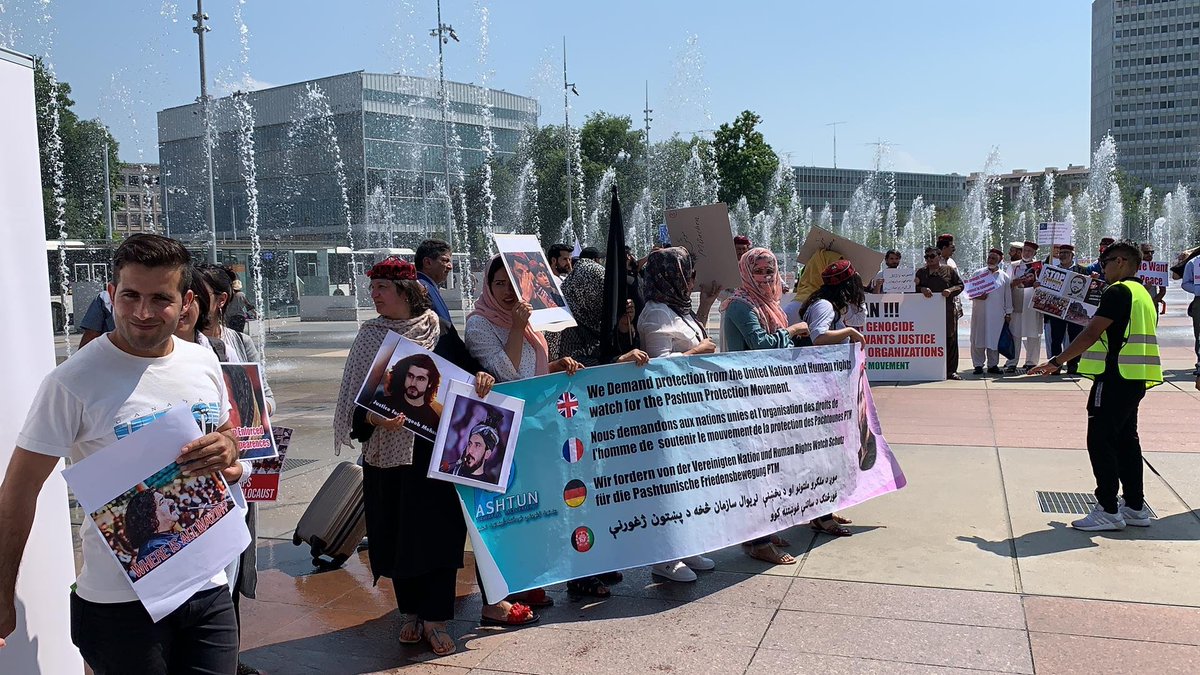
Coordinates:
x,y
943,80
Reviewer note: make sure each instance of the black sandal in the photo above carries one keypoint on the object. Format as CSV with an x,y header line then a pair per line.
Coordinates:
x,y
588,586
829,525
611,578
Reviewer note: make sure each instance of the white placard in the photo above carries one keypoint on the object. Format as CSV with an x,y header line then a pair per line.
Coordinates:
x,y
167,566
1154,273
899,279
534,281
905,338
476,440
1054,233
980,283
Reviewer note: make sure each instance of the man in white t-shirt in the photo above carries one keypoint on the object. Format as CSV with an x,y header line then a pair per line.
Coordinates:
x,y
111,388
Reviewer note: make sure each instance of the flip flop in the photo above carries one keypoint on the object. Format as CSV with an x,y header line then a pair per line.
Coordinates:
x,y
536,597
830,527
518,615
420,631
432,634
588,586
768,553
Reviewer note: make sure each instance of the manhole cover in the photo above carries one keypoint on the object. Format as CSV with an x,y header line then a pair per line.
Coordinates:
x,y
291,464
1071,502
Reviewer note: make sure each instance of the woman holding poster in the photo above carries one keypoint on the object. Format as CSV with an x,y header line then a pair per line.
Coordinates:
x,y
414,522
752,319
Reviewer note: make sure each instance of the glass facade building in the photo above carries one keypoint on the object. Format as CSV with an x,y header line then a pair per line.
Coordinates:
x,y
1146,87
816,185
384,130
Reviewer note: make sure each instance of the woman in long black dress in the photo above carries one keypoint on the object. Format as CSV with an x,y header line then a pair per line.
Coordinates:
x,y
414,523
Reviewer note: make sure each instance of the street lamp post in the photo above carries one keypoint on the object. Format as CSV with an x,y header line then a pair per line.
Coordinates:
x,y
444,33
568,87
210,214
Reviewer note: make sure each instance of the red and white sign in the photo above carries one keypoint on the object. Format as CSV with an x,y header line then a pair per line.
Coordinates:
x,y
905,337
1154,273
263,484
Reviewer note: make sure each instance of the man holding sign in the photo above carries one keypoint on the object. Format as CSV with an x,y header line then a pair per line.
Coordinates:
x,y
1154,277
989,312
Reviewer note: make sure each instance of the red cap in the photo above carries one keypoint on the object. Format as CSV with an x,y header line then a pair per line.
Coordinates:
x,y
393,268
1031,244
837,272
997,252
944,238
1066,247
743,240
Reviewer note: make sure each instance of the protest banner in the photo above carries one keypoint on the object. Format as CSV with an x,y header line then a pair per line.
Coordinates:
x,y
169,533
1064,294
1049,234
981,283
263,483
475,443
860,256
1154,273
405,378
905,338
249,417
704,232
621,466
899,279
534,281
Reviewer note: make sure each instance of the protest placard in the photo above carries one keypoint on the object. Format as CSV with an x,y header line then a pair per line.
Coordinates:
x,y
407,379
622,466
475,443
1067,295
1154,273
704,232
263,483
534,281
905,338
981,283
898,279
169,533
860,256
1054,233
250,420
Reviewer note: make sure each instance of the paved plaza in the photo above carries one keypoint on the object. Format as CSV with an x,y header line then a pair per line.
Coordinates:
x,y
961,571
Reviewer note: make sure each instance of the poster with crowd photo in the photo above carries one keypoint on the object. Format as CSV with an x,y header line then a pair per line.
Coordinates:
x,y
407,379
250,420
263,483
622,466
169,533
534,281
475,445
1068,295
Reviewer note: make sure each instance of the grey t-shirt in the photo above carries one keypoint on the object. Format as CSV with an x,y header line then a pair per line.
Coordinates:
x,y
821,318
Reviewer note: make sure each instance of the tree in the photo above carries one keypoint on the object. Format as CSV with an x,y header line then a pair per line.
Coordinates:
x,y
82,157
745,161
610,141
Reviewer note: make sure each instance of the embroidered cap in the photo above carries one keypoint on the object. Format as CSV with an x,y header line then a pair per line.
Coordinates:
x,y
837,272
393,268
742,240
1066,247
1031,244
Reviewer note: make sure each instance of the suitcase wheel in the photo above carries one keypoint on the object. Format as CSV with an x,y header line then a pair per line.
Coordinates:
x,y
296,540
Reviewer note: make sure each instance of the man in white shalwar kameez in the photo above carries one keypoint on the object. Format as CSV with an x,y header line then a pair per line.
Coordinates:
x,y
989,312
1026,323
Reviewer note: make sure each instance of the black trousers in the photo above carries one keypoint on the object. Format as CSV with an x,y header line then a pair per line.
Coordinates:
x,y
1112,440
199,638
951,339
1062,332
430,596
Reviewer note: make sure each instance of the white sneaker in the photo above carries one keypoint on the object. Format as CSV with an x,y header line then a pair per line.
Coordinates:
x,y
699,562
674,571
1136,518
1100,520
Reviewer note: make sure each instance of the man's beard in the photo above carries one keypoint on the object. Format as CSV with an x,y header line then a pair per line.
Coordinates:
x,y
413,394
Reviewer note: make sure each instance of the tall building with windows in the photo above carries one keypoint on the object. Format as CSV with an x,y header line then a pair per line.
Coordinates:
x,y
384,131
816,185
1146,87
138,207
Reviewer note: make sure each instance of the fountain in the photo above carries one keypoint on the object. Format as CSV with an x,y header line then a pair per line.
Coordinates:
x,y
1145,204
976,233
596,229
528,220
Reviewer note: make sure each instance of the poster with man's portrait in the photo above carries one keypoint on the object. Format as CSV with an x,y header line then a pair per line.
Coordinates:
x,y
407,379
475,445
1064,294
249,418
534,281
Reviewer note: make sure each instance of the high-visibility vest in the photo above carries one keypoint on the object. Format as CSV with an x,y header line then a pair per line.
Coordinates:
x,y
1138,355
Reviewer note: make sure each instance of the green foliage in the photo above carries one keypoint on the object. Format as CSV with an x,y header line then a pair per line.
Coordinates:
x,y
608,140
82,161
745,161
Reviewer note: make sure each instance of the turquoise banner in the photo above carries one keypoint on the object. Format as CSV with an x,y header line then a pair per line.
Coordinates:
x,y
621,466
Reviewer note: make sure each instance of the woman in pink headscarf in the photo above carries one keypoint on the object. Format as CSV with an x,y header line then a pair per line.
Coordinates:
x,y
753,319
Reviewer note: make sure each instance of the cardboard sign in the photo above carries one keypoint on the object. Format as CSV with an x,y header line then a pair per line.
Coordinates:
x,y
905,338
1053,233
982,282
860,256
899,280
704,232
1154,273
1064,294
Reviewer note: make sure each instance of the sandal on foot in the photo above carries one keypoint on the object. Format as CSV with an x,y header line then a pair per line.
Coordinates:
x,y
768,553
843,521
536,597
415,629
588,586
830,526
518,615
440,642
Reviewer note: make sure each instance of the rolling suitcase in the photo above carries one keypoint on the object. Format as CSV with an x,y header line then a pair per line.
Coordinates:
x,y
335,521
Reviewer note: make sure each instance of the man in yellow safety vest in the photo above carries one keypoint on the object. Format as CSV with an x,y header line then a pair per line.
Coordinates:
x,y
1119,351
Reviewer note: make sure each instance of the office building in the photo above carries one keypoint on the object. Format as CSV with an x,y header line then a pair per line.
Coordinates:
x,y
816,185
1146,87
137,205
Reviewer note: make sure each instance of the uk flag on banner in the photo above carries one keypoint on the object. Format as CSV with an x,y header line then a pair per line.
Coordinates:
x,y
568,405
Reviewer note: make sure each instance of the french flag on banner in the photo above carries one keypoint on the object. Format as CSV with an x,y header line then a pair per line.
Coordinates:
x,y
573,450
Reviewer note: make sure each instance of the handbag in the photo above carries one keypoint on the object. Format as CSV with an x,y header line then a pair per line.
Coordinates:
x,y
1006,346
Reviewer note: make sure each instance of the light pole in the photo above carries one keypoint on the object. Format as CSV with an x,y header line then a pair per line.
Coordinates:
x,y
444,33
210,214
649,199
568,87
835,126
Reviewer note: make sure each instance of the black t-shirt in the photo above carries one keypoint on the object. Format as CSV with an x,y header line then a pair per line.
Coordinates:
x,y
1116,305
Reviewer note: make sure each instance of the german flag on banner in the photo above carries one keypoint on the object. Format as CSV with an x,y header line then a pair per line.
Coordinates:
x,y
573,450
575,493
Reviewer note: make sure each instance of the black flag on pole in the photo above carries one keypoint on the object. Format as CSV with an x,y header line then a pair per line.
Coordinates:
x,y
615,290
